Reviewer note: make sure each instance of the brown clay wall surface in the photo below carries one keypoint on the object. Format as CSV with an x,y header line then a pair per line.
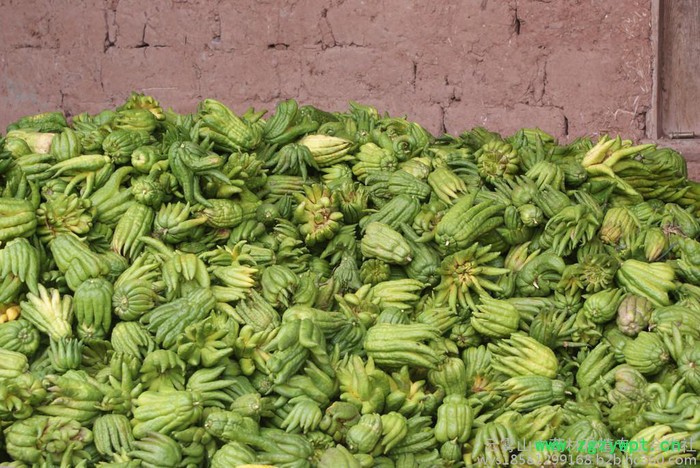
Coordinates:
x,y
571,67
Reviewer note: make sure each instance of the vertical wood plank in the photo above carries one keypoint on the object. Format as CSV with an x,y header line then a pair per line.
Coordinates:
x,y
679,67
653,129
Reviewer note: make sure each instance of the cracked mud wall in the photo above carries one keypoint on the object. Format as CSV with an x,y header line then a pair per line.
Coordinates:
x,y
570,67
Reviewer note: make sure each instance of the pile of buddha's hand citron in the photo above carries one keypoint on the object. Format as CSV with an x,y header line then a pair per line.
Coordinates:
x,y
307,288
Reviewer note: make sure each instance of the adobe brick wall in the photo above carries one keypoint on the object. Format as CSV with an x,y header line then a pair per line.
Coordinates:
x,y
570,67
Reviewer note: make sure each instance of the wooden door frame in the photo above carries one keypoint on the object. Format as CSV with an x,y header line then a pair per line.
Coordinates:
x,y
654,124
689,148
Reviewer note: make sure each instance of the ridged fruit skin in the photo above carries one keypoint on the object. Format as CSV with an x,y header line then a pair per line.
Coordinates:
x,y
599,361
646,353
380,241
46,439
450,376
12,364
650,280
364,436
633,314
523,355
455,417
495,318
17,219
466,221
92,308
19,336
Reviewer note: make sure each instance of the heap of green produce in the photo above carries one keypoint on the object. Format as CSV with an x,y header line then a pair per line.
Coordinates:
x,y
341,290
